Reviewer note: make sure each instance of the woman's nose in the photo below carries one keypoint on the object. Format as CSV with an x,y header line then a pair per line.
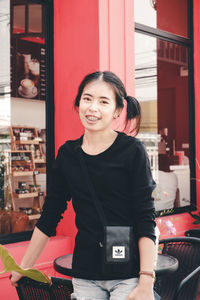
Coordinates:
x,y
93,106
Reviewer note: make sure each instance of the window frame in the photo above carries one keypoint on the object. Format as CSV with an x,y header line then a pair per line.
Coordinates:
x,y
48,15
187,42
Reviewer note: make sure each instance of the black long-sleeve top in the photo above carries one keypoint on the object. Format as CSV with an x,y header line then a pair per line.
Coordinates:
x,y
123,182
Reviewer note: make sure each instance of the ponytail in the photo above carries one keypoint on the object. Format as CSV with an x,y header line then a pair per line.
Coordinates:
x,y
133,112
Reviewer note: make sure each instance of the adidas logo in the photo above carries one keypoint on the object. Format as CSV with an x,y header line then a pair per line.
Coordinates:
x,y
118,252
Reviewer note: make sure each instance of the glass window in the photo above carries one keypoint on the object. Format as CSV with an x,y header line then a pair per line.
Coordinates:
x,y
34,18
161,72
170,15
22,120
19,19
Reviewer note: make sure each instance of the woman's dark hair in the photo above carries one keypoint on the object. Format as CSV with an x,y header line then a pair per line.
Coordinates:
x,y
133,106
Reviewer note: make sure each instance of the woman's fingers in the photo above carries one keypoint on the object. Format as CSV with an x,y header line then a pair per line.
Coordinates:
x,y
14,277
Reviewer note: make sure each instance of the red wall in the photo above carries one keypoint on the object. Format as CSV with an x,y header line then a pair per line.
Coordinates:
x,y
76,49
76,46
116,39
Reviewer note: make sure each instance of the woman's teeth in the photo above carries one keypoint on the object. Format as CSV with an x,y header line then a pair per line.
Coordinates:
x,y
90,118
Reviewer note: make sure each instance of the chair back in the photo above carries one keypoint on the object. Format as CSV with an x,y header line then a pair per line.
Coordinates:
x,y
187,251
195,232
29,289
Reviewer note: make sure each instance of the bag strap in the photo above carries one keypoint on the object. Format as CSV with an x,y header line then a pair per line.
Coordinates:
x,y
97,203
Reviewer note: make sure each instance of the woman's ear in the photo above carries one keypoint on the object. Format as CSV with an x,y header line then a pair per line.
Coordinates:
x,y
117,113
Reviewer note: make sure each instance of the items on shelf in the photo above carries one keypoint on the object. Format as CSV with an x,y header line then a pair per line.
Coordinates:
x,y
30,139
22,188
27,158
21,161
33,140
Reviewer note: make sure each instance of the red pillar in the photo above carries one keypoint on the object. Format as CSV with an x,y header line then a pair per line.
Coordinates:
x,y
89,35
76,53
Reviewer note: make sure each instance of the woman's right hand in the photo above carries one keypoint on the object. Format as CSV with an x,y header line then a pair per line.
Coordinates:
x,y
14,277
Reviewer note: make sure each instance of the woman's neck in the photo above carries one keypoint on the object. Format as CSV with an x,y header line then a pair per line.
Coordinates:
x,y
97,142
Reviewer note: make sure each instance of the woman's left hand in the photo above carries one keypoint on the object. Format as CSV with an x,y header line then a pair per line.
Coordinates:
x,y
140,293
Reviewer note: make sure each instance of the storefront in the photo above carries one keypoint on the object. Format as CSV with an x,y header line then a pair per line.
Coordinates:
x,y
154,50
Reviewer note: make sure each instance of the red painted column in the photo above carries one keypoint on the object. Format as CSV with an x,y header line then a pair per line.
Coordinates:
x,y
116,40
76,53
91,35
116,44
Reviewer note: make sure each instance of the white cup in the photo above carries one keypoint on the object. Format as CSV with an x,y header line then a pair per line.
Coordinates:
x,y
28,86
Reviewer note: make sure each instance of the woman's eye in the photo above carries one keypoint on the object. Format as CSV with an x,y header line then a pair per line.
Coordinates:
x,y
104,102
86,99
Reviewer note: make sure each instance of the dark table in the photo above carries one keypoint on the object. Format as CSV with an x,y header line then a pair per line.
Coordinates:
x,y
166,264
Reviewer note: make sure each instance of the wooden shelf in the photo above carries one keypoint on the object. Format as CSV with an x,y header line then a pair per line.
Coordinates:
x,y
40,161
34,217
28,142
19,151
42,170
26,195
22,173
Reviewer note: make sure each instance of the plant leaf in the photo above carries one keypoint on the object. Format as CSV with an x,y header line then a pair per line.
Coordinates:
x,y
10,265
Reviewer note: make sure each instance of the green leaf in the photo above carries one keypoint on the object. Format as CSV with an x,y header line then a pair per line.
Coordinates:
x,y
10,265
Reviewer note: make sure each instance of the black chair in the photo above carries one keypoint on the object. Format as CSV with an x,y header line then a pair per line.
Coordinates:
x,y
29,289
183,283
195,232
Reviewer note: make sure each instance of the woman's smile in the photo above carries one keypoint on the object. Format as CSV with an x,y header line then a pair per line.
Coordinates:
x,y
92,118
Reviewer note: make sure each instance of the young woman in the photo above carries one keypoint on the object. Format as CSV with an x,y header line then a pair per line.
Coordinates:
x,y
119,170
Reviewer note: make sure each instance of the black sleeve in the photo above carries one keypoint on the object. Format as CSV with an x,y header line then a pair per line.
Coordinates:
x,y
56,200
143,186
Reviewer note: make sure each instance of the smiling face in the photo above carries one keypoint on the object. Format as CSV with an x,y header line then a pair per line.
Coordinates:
x,y
97,106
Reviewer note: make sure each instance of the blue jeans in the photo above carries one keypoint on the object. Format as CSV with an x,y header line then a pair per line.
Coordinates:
x,y
103,289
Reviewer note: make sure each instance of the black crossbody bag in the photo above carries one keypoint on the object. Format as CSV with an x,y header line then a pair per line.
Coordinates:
x,y
118,246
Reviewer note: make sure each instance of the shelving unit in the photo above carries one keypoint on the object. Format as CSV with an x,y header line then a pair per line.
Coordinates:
x,y
26,138
27,161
